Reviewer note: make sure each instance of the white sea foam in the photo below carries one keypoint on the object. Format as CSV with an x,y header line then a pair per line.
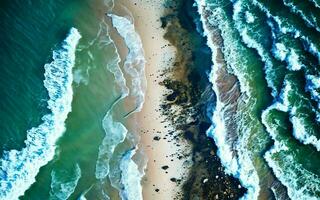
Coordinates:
x,y
293,60
283,53
312,48
218,131
19,168
280,51
287,171
252,43
313,86
249,17
290,56
114,67
135,62
309,20
62,189
82,197
291,173
130,178
316,3
116,133
79,78
125,174
83,194
301,132
240,166
134,66
288,177
314,82
285,28
279,192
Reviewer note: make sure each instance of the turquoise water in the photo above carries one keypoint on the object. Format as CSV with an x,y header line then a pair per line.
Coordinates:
x,y
63,108
66,97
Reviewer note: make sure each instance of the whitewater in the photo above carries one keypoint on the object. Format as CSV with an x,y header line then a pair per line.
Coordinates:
x,y
19,168
272,50
127,171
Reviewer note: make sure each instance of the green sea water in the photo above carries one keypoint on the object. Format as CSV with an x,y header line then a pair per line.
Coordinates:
x,y
272,47
30,32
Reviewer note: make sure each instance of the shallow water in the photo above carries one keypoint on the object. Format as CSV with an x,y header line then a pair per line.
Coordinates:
x,y
67,98
33,35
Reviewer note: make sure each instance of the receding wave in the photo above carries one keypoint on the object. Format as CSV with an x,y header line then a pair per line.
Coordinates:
x,y
266,77
19,168
135,62
238,164
130,178
116,132
64,182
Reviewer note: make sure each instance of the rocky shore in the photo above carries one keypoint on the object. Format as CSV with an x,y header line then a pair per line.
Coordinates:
x,y
192,93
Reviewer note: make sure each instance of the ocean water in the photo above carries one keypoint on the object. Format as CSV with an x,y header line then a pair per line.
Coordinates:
x,y
67,98
65,105
272,48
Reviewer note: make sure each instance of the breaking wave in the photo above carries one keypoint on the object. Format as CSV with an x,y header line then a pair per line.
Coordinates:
x,y
19,168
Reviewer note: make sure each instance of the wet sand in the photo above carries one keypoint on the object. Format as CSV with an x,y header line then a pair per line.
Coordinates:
x,y
166,154
172,124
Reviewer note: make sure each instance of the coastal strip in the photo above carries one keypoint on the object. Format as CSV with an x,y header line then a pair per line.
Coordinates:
x,y
207,178
163,171
183,160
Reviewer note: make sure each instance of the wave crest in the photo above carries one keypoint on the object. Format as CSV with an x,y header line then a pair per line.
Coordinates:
x,y
19,168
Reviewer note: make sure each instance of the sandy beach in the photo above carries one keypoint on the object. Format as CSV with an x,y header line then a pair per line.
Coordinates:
x,y
165,152
160,100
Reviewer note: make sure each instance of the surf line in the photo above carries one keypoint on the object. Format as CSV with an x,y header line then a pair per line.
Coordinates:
x,y
19,169
134,64
116,132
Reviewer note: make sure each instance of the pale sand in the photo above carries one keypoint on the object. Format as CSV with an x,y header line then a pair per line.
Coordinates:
x,y
159,55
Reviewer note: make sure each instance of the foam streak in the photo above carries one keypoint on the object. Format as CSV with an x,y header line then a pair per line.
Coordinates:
x,y
19,168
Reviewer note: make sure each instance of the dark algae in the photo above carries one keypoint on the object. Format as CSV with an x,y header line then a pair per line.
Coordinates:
x,y
231,111
191,90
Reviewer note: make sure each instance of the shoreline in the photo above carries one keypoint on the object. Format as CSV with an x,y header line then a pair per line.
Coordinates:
x,y
167,157
173,124
231,111
207,178
172,127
